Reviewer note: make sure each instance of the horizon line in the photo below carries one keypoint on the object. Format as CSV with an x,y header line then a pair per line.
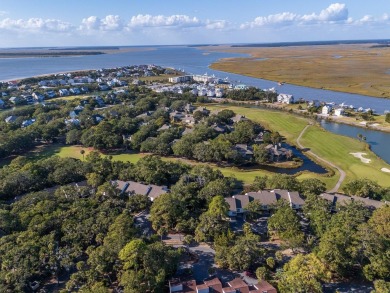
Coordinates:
x,y
341,41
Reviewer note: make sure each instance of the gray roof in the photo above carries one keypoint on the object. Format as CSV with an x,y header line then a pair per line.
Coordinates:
x,y
150,190
343,199
266,198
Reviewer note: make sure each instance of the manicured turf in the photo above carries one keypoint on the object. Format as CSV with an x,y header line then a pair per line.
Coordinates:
x,y
332,147
337,149
290,126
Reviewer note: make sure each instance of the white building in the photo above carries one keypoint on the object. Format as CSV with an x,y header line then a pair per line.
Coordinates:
x,y
285,99
339,112
179,79
326,110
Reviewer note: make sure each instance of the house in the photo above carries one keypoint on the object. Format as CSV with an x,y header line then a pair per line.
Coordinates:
x,y
326,110
63,92
77,110
215,285
136,82
187,131
238,203
342,199
103,87
211,93
28,122
244,150
84,89
150,190
180,79
97,118
218,93
50,94
203,110
314,103
73,121
219,128
238,118
285,99
38,97
144,115
339,112
75,91
15,100
202,92
176,116
99,100
11,119
240,87
189,119
194,92
29,99
189,108
164,127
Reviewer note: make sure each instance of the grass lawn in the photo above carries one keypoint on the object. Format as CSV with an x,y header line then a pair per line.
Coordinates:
x,y
290,126
332,147
337,149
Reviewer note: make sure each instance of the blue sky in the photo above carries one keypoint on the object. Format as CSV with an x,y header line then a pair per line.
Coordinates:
x,y
26,23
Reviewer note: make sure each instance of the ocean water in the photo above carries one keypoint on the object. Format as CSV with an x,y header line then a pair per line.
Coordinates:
x,y
193,60
188,58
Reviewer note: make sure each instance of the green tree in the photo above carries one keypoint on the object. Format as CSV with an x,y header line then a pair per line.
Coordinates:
x,y
261,273
213,222
261,154
317,210
337,243
303,273
364,188
387,118
284,224
312,186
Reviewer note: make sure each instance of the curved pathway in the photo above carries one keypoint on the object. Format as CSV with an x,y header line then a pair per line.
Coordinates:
x,y
341,171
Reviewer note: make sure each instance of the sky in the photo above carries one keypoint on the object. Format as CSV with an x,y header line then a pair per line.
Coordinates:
x,y
27,23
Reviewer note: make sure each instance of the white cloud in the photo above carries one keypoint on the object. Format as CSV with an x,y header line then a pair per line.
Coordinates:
x,y
146,20
334,13
35,24
216,25
112,22
109,23
284,18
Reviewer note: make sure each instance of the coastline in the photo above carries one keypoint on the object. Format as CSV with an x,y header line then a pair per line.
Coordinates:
x,y
317,67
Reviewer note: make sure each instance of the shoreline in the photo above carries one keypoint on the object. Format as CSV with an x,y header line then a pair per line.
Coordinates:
x,y
276,66
334,119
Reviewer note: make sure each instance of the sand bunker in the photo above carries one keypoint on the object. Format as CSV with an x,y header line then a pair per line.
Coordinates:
x,y
385,170
360,156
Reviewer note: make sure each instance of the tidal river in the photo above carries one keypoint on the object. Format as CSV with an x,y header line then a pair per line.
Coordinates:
x,y
193,60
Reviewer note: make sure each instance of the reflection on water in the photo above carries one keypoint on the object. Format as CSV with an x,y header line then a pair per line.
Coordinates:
x,y
379,141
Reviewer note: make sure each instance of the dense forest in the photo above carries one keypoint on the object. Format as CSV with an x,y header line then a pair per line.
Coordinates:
x,y
65,224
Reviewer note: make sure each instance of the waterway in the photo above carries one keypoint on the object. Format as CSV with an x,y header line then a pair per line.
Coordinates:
x,y
193,60
378,141
307,164
190,59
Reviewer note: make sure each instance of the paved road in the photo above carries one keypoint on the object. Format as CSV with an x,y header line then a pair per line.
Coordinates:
x,y
341,171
